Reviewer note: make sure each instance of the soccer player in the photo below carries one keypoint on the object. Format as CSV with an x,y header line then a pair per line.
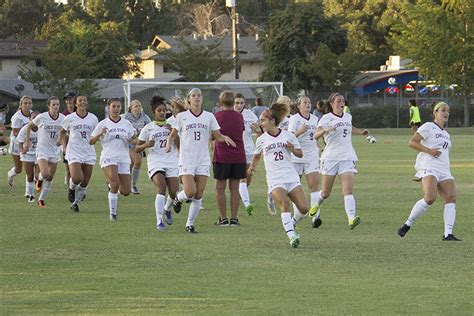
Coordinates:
x,y
338,157
116,133
229,164
194,128
251,125
432,165
276,146
76,130
28,158
162,166
304,124
47,152
415,119
18,120
139,119
70,108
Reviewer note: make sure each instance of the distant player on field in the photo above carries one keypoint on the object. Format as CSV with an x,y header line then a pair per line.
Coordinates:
x,y
28,158
432,165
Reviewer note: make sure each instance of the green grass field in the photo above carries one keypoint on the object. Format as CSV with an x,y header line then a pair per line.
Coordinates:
x,y
54,261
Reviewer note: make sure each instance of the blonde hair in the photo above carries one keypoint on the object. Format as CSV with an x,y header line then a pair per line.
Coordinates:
x,y
133,102
226,98
23,98
177,105
292,107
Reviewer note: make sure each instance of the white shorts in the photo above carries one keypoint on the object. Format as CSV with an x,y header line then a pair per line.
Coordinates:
x,y
14,148
48,158
288,187
203,170
440,175
28,158
86,160
306,168
334,167
168,172
122,168
249,158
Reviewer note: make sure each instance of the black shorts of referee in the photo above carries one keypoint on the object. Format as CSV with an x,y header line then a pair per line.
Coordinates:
x,y
225,171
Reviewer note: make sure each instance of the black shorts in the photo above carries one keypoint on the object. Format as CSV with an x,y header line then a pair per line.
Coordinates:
x,y
224,171
415,124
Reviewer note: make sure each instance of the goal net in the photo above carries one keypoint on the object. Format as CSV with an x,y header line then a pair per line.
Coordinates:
x,y
144,90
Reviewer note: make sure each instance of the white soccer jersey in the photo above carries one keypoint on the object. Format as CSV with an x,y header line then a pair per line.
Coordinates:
x,y
284,124
249,119
307,142
80,130
277,158
434,137
21,138
338,142
48,133
157,156
194,134
171,120
18,120
115,140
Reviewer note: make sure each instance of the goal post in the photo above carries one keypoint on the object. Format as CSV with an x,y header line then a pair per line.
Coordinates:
x,y
144,90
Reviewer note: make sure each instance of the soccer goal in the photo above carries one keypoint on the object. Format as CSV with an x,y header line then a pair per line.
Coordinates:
x,y
144,90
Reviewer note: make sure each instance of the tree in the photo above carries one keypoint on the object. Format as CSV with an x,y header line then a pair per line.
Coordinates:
x,y
197,61
294,34
439,39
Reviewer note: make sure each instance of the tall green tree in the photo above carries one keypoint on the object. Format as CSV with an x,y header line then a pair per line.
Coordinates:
x,y
439,39
294,35
197,61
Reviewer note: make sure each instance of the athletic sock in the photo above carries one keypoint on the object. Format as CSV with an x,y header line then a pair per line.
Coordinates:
x,y
30,188
159,207
297,215
12,172
135,174
80,192
113,201
449,218
168,204
350,206
72,185
244,193
182,197
27,192
288,224
418,209
315,197
45,189
194,210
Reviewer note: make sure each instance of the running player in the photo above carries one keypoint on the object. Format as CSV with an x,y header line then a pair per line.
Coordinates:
x,y
70,108
28,158
194,128
18,120
162,166
276,146
304,124
139,119
432,165
338,157
76,130
117,133
47,152
251,125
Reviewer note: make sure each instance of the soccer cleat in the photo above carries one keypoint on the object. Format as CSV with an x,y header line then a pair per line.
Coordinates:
x,y
354,222
249,209
271,206
313,210
75,207
10,179
191,230
71,195
403,230
416,179
177,205
316,222
134,190
41,203
31,198
112,217
295,241
222,222
161,226
451,237
169,218
234,222
38,185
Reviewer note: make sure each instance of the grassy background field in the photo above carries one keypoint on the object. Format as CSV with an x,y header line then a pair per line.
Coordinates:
x,y
54,261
